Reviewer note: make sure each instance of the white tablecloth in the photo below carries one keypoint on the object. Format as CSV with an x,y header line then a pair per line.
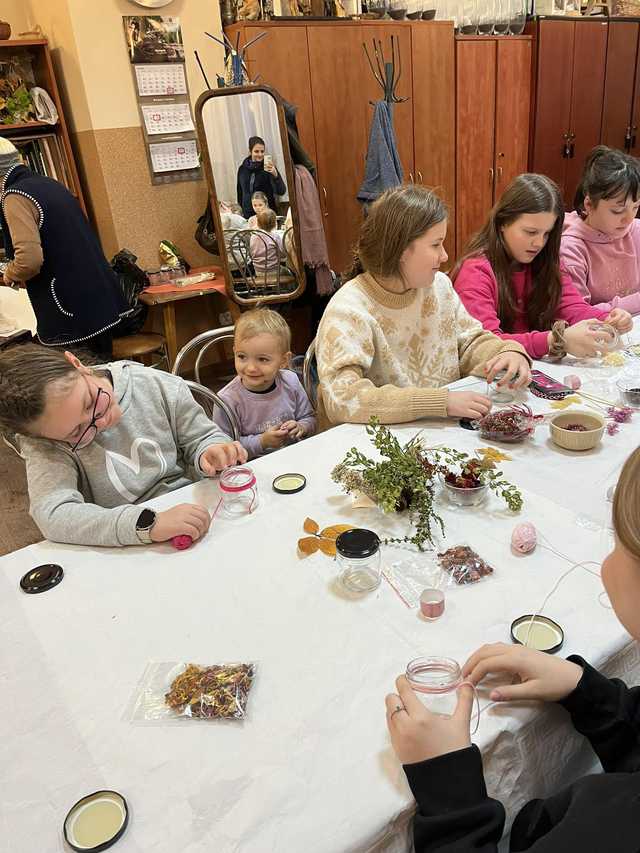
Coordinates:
x,y
311,768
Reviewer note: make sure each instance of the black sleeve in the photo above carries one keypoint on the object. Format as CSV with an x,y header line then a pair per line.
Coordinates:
x,y
239,191
278,185
607,712
454,813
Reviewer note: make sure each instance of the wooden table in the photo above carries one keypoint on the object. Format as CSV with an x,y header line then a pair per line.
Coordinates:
x,y
168,298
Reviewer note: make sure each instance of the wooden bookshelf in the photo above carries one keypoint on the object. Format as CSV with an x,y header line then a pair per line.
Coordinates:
x,y
38,50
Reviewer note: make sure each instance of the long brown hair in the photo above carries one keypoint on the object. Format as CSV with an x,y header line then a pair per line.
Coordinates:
x,y
525,194
395,220
626,505
26,372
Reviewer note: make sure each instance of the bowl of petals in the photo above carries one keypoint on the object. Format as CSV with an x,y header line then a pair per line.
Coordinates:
x,y
577,430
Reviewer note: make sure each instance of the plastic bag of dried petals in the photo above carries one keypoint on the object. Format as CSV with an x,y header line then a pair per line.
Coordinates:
x,y
463,565
170,692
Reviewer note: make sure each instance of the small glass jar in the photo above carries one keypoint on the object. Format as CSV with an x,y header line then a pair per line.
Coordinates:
x,y
436,682
466,497
503,394
609,339
358,555
238,491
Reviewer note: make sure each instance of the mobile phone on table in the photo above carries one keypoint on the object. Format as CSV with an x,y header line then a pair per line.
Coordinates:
x,y
545,386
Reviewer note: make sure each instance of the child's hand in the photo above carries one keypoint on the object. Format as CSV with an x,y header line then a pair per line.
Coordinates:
x,y
518,372
220,456
537,674
418,734
274,438
183,520
620,319
296,431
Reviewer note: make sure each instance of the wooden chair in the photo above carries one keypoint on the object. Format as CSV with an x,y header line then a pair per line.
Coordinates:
x,y
141,347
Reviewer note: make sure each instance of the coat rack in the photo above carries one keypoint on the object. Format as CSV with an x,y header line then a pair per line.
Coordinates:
x,y
236,73
388,73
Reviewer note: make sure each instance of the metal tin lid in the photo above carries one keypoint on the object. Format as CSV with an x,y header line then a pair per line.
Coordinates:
x,y
289,484
41,578
96,821
537,632
358,542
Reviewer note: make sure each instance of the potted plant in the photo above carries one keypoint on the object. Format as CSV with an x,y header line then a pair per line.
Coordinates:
x,y
406,478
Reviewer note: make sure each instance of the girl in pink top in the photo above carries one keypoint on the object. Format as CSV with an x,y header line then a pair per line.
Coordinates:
x,y
509,276
601,240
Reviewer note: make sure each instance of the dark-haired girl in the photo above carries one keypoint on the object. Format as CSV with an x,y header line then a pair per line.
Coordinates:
x,y
509,276
256,176
601,240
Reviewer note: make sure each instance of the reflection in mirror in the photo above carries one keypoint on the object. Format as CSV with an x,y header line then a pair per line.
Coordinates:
x,y
250,183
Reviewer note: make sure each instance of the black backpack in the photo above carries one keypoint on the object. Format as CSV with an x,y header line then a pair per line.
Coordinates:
x,y
132,280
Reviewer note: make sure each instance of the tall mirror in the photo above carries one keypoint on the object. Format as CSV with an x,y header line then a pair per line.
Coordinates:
x,y
245,148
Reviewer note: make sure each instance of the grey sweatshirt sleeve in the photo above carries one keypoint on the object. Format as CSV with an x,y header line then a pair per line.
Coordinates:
x,y
194,431
59,509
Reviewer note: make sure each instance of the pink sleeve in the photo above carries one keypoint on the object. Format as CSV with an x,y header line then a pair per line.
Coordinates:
x,y
477,288
572,306
573,261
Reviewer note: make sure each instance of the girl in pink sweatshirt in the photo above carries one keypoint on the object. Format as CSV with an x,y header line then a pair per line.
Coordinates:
x,y
601,240
509,276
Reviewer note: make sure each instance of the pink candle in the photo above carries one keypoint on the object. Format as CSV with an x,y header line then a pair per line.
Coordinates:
x,y
432,603
180,543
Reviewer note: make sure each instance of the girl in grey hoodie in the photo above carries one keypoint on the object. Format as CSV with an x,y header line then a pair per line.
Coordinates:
x,y
100,442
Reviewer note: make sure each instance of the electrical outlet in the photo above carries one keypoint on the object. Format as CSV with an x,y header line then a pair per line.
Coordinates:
x,y
225,319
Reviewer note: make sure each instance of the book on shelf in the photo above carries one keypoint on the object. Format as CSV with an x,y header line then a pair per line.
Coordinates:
x,y
45,154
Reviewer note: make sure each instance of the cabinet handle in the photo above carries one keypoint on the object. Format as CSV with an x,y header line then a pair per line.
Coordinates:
x,y
411,177
491,174
420,177
326,212
500,172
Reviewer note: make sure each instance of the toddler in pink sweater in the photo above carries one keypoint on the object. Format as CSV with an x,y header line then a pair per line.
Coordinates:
x,y
601,240
510,278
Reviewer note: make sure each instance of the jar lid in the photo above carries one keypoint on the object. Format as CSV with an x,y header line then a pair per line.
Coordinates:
x,y
289,484
96,821
358,542
41,578
537,632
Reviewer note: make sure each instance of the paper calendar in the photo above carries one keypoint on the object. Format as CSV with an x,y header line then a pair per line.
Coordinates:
x,y
167,118
161,79
174,156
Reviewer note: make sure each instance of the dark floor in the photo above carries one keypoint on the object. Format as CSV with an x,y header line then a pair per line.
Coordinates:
x,y
16,528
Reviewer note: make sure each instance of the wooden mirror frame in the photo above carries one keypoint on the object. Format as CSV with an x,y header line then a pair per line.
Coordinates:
x,y
298,270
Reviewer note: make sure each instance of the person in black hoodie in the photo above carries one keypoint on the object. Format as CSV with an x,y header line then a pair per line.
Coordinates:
x,y
254,176
597,814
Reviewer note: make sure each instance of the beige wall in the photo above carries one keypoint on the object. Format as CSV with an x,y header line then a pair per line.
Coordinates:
x,y
15,12
98,90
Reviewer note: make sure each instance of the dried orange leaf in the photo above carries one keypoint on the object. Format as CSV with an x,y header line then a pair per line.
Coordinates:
x,y
327,546
311,526
335,530
308,545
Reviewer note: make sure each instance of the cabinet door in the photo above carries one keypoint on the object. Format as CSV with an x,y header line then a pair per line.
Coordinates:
x,y
476,108
587,95
282,60
402,113
434,122
552,110
513,85
341,132
635,115
622,45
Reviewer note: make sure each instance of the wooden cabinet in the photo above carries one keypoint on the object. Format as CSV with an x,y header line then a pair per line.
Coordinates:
x,y
567,111
492,137
619,113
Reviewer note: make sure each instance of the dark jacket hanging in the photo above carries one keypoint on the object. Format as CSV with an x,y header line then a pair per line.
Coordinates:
x,y
253,178
383,169
75,295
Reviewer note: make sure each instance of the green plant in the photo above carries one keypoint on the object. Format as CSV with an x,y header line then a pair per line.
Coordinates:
x,y
405,479
17,107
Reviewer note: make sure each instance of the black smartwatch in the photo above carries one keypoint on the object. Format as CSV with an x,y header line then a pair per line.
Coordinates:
x,y
145,522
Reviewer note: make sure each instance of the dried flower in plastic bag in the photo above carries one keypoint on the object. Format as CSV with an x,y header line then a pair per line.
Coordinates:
x,y
464,564
213,691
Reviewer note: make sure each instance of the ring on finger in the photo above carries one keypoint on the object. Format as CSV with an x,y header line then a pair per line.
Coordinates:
x,y
396,710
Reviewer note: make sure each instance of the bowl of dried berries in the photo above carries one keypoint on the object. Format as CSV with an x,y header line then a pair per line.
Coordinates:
x,y
577,430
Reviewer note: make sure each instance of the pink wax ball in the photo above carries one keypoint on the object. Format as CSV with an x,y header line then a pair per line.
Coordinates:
x,y
181,543
572,381
524,538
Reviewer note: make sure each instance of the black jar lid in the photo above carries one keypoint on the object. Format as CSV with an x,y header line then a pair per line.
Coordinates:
x,y
41,578
358,542
96,821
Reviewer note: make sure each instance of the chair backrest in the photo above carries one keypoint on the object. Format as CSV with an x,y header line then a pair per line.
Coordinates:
x,y
208,399
265,277
200,344
310,374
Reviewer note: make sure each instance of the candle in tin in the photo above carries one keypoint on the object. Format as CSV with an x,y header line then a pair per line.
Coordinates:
x,y
432,603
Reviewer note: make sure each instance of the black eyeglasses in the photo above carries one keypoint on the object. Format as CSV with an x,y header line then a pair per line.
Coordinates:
x,y
99,411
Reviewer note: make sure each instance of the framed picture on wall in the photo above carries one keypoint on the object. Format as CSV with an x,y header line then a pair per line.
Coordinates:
x,y
153,38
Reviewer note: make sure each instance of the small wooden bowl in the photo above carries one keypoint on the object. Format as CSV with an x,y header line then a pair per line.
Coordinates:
x,y
577,440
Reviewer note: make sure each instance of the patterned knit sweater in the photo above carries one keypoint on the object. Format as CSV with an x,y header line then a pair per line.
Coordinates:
x,y
388,354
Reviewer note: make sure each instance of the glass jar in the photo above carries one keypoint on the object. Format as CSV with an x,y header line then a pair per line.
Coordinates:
x,y
398,9
486,17
517,16
469,17
466,497
608,339
358,555
501,395
436,682
501,25
238,491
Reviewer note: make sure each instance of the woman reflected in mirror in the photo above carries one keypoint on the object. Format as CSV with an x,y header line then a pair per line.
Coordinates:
x,y
257,173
